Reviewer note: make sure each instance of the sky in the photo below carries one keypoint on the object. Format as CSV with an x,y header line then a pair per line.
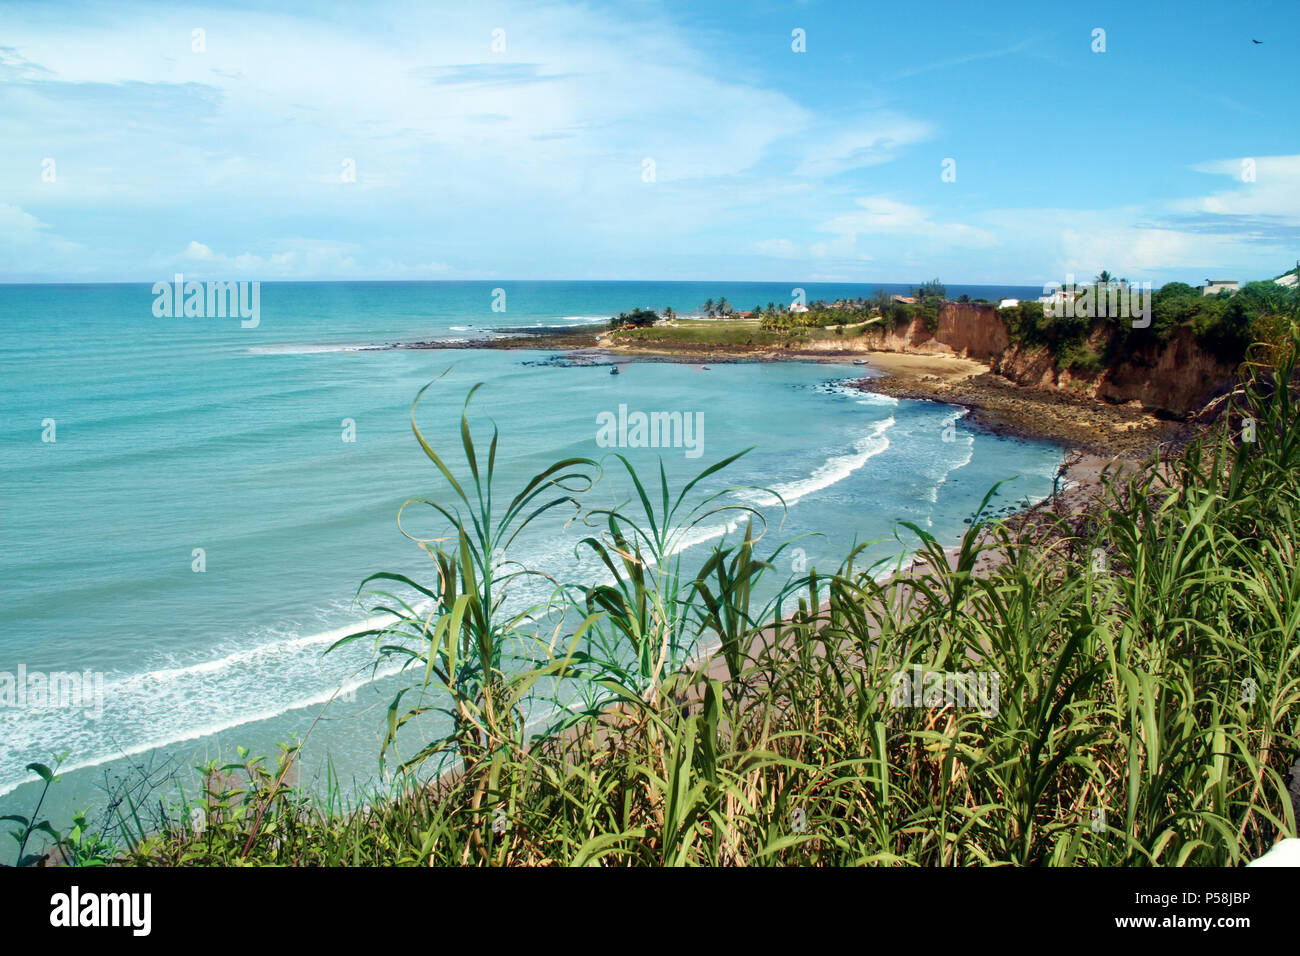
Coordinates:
x,y
998,143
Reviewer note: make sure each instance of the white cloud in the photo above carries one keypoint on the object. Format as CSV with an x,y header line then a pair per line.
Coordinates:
x,y
883,216
868,141
29,245
1273,191
476,157
285,259
783,248
15,223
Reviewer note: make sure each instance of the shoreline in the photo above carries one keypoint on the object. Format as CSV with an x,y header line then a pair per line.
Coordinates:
x,y
996,405
1094,436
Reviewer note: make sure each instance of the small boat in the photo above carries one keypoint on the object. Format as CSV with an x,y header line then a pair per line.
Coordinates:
x,y
859,361
613,370
704,368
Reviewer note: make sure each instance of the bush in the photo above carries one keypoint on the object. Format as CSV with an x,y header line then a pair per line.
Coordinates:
x,y
638,318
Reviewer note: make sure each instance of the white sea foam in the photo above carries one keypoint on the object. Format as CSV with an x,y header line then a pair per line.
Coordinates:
x,y
308,349
157,708
966,444
832,471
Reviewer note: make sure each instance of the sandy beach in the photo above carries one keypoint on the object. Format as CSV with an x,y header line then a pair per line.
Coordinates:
x,y
1071,419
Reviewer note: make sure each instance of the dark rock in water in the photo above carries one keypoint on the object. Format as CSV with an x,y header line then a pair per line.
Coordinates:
x,y
571,360
613,370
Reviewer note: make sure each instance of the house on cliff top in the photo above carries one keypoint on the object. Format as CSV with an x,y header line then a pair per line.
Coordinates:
x,y
1215,286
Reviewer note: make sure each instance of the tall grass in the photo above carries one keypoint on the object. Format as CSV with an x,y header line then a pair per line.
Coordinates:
x,y
457,631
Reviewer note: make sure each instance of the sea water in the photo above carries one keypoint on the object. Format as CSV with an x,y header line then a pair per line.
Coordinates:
x,y
188,505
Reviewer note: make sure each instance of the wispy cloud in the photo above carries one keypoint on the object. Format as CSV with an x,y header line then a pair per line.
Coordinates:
x,y
916,70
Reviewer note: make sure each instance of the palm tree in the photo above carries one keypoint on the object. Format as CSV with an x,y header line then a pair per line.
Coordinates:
x,y
1104,278
708,307
723,305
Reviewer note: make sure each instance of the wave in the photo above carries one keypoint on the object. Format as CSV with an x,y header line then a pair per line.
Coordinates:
x,y
309,349
156,708
966,442
832,471
153,709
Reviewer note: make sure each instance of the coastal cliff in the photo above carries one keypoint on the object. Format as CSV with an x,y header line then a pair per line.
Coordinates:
x,y
1173,378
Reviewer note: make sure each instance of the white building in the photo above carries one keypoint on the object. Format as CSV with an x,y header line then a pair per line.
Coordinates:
x,y
1008,303
1054,303
1215,286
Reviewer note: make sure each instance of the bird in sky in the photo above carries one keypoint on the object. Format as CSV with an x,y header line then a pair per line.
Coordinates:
x,y
1253,40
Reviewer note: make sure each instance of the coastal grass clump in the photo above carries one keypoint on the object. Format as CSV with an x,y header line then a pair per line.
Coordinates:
x,y
1118,687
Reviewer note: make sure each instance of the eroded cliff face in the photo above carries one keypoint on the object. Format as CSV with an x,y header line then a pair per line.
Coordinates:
x,y
1174,378
965,329
1178,377
974,331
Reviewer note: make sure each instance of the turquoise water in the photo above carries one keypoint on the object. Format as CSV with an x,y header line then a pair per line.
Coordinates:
x,y
173,435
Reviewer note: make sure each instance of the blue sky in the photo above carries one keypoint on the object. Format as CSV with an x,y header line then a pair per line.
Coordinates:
x,y
530,161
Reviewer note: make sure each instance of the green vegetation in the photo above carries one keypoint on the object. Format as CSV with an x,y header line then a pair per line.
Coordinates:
x,y
1224,324
878,311
720,308
698,334
843,315
934,289
846,314
637,318
1087,331
1146,711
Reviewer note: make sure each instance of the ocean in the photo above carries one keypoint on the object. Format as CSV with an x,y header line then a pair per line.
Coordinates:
x,y
188,505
